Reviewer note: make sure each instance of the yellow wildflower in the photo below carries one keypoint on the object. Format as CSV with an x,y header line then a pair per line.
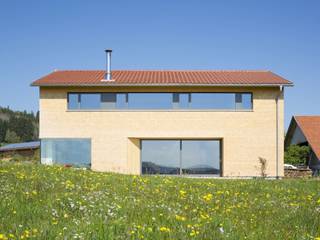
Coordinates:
x,y
180,218
194,232
207,197
164,229
182,192
2,237
204,216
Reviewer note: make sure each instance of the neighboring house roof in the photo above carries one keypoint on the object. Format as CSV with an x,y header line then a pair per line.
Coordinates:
x,y
20,146
310,127
162,78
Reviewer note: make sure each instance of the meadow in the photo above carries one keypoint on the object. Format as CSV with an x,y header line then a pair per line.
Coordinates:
x,y
45,202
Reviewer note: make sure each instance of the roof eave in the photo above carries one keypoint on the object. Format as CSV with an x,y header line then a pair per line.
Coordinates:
x,y
161,85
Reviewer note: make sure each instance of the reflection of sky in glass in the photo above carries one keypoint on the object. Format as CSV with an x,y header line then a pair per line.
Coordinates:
x,y
150,100
121,100
222,101
67,151
73,101
246,101
198,154
90,101
108,100
183,100
213,100
194,154
162,153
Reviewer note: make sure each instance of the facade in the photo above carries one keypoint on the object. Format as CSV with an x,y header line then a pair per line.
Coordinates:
x,y
164,122
305,131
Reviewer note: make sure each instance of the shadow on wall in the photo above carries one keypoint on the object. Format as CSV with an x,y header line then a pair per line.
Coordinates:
x,y
262,167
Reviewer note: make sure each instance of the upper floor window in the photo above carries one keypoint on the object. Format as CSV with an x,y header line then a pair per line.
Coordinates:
x,y
154,101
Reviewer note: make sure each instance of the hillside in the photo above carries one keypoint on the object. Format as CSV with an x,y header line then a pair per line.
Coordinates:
x,y
45,202
17,126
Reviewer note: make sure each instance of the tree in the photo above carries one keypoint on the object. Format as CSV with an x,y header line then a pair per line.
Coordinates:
x,y
11,137
23,127
3,130
296,154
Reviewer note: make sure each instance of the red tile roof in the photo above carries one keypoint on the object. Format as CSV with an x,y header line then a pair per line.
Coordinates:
x,y
161,77
310,126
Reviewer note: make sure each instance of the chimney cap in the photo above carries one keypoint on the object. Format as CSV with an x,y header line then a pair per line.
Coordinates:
x,y
108,50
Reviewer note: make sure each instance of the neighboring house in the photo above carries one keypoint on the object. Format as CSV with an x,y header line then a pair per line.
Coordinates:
x,y
163,122
24,149
305,131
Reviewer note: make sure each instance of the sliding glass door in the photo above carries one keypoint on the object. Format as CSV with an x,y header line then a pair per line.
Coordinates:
x,y
200,157
160,157
180,156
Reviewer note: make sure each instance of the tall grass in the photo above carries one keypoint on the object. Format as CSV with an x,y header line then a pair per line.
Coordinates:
x,y
41,202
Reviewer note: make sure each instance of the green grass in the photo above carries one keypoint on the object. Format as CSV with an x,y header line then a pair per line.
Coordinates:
x,y
41,202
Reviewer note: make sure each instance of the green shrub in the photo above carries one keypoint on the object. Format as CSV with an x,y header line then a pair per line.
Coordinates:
x,y
296,154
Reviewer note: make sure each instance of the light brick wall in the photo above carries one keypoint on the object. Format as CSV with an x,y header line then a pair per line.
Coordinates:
x,y
115,135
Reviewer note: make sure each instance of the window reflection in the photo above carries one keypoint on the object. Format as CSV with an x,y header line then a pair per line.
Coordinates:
x,y
180,156
90,101
150,100
154,101
160,156
200,157
75,152
121,101
73,101
108,100
213,100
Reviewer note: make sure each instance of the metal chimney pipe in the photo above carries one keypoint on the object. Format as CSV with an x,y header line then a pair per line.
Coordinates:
x,y
108,75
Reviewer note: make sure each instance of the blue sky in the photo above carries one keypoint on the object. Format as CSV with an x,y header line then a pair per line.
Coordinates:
x,y
37,37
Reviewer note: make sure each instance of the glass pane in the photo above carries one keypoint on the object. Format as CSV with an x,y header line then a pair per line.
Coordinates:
x,y
213,100
150,100
175,100
90,100
108,100
160,156
76,152
180,100
46,152
246,100
200,157
183,100
122,100
73,101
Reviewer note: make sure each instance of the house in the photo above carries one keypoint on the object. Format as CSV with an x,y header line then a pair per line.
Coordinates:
x,y
163,121
305,131
24,149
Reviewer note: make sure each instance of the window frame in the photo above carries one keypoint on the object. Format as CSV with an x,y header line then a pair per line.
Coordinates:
x,y
161,110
